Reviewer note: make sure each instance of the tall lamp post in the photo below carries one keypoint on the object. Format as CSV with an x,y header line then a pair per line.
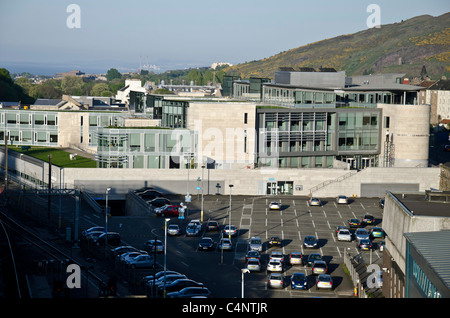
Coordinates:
x,y
165,253
201,214
106,219
229,217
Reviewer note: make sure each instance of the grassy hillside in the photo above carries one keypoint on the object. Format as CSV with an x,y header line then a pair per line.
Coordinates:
x,y
399,47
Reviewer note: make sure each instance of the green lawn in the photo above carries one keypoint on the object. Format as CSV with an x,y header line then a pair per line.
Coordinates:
x,y
60,158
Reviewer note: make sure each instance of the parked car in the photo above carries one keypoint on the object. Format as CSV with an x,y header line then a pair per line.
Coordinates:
x,y
296,258
353,223
149,246
158,275
168,210
252,254
212,225
368,219
168,278
299,281
173,229
314,202
158,202
125,257
255,244
312,258
190,292
275,241
361,234
274,266
110,238
341,199
274,205
178,285
206,244
319,267
118,251
344,235
225,244
93,236
254,265
376,232
276,280
364,245
324,281
141,261
278,256
192,230
86,233
229,230
310,241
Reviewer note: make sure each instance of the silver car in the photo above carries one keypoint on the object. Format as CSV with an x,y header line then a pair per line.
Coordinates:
x,y
254,265
344,235
362,234
173,229
225,244
276,280
324,281
255,244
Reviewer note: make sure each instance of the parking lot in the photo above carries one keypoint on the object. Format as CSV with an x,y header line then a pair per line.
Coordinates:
x,y
221,272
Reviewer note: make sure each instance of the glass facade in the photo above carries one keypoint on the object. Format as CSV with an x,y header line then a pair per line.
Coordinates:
x,y
26,127
145,148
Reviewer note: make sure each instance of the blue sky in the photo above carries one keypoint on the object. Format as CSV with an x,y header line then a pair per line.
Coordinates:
x,y
122,34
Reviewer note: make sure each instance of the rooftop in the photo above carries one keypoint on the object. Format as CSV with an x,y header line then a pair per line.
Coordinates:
x,y
422,205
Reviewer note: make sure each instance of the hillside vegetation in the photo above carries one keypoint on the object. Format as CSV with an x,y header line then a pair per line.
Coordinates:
x,y
400,47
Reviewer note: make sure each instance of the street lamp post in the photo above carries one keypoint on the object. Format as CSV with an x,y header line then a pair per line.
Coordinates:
x,y
229,217
201,214
165,253
106,219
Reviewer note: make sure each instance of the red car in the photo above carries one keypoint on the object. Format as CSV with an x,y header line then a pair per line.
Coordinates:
x,y
168,210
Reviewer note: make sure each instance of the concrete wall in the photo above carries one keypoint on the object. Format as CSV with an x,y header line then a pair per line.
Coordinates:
x,y
409,135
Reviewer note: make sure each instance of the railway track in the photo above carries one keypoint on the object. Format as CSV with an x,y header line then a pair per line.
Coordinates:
x,y
23,253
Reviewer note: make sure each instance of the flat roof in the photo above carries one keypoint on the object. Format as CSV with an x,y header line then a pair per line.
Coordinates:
x,y
418,204
435,249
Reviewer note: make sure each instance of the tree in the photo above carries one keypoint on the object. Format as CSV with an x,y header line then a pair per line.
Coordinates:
x,y
112,74
100,89
71,85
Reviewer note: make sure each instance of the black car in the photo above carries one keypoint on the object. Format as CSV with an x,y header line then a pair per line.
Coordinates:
x,y
158,202
313,257
178,285
275,241
113,239
212,226
368,219
310,241
206,243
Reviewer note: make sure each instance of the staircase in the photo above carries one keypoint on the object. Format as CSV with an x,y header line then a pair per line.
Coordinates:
x,y
328,182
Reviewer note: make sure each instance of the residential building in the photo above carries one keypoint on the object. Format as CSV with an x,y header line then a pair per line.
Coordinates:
x,y
437,96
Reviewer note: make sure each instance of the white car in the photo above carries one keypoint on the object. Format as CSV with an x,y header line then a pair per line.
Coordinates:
x,y
274,266
276,280
344,235
296,258
341,199
173,229
142,261
274,205
197,223
125,257
254,265
277,256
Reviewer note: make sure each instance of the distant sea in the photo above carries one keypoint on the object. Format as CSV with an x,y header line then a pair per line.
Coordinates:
x,y
52,69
